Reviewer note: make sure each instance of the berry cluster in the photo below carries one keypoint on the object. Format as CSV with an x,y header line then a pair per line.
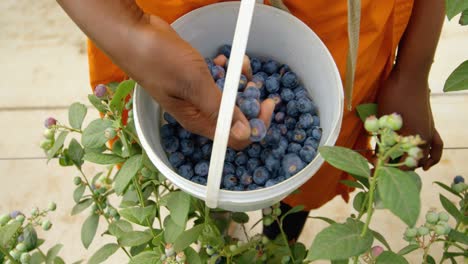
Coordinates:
x,y
436,225
259,242
49,134
459,185
276,153
170,257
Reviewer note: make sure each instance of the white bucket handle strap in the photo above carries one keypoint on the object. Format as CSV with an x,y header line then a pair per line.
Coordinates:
x,y
354,21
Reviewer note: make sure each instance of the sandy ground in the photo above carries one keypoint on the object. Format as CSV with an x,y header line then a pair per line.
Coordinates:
x,y
43,68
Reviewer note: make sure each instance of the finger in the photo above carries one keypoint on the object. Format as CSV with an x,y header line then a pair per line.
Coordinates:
x,y
266,111
246,68
220,60
240,130
435,152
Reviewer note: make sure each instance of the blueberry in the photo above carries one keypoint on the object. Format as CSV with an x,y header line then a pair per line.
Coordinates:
x,y
458,179
240,98
182,133
283,143
270,182
261,175
290,122
100,90
316,121
187,147
272,84
307,153
225,50
292,108
279,117
176,159
284,69
258,130
252,92
270,67
273,136
279,152
50,122
256,65
294,147
252,164
305,121
199,180
240,170
237,188
246,179
241,159
299,135
229,168
292,163
272,164
305,105
317,133
300,92
254,150
166,131
169,118
253,187
209,62
242,82
201,140
290,135
310,141
287,95
283,129
277,99
229,181
206,150
15,213
250,107
218,72
289,80
197,155
220,83
259,79
265,154
230,155
262,75
170,144
186,171
201,168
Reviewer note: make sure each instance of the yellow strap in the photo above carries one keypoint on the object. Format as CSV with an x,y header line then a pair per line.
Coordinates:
x,y
354,20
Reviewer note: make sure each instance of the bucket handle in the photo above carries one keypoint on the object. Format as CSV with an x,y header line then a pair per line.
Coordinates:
x,y
228,99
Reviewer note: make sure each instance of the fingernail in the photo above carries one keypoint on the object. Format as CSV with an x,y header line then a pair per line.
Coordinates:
x,y
240,131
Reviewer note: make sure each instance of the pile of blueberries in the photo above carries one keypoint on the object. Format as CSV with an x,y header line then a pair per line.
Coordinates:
x,y
276,153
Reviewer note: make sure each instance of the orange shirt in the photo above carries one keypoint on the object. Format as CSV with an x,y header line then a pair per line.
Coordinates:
x,y
382,25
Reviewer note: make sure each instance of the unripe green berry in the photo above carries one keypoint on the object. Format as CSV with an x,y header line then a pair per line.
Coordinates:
x,y
77,181
277,212
46,144
267,220
389,138
411,232
285,259
46,225
21,247
415,152
113,212
232,248
49,133
169,249
371,124
20,218
265,240
25,258
210,251
52,206
180,257
267,211
15,254
432,217
117,217
163,257
422,231
459,187
383,121
411,162
110,133
394,122
4,218
35,211
443,216
439,230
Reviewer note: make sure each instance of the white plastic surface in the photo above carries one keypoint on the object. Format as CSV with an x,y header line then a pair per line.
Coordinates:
x,y
274,34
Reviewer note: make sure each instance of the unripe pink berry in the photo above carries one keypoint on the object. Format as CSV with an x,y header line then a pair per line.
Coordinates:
x,y
371,124
376,251
50,122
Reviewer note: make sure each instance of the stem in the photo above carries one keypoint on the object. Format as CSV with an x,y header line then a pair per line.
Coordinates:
x,y
245,232
426,248
395,164
142,203
361,212
156,195
285,239
355,259
4,252
69,128
371,197
42,253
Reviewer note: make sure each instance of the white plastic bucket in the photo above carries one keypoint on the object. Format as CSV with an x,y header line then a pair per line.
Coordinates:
x,y
274,34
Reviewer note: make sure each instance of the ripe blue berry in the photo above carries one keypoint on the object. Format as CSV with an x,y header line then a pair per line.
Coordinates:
x,y
254,150
242,83
272,164
201,168
176,159
256,65
277,99
289,80
292,163
229,181
292,108
279,117
270,182
209,62
206,150
283,129
458,179
100,90
246,179
186,171
15,213
287,95
294,147
187,147
270,67
229,168
300,92
252,92
170,144
261,175
199,179
250,107
166,131
201,140
241,159
310,141
305,105
272,84
305,121
317,133
230,155
225,50
279,152
218,72
182,133
197,155
273,136
290,122
252,164
307,153
169,118
284,69
299,135
240,170
49,122
220,83
257,130
253,187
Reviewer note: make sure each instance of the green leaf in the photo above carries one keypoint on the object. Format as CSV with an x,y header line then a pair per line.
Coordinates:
x,y
96,102
328,220
458,236
448,189
93,135
78,262
103,253
455,254
381,238
399,194
76,152
134,238
388,257
458,79
188,237
138,215
342,261
240,217
358,201
59,260
415,177
119,227
346,160
78,193
76,115
178,204
299,251
52,253
464,18
30,237
57,144
408,249
137,249
451,208
126,173
7,232
37,258
172,231
113,86
192,256
340,241
352,184
146,257
430,260
366,110
118,100
103,159
81,206
454,7
88,230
